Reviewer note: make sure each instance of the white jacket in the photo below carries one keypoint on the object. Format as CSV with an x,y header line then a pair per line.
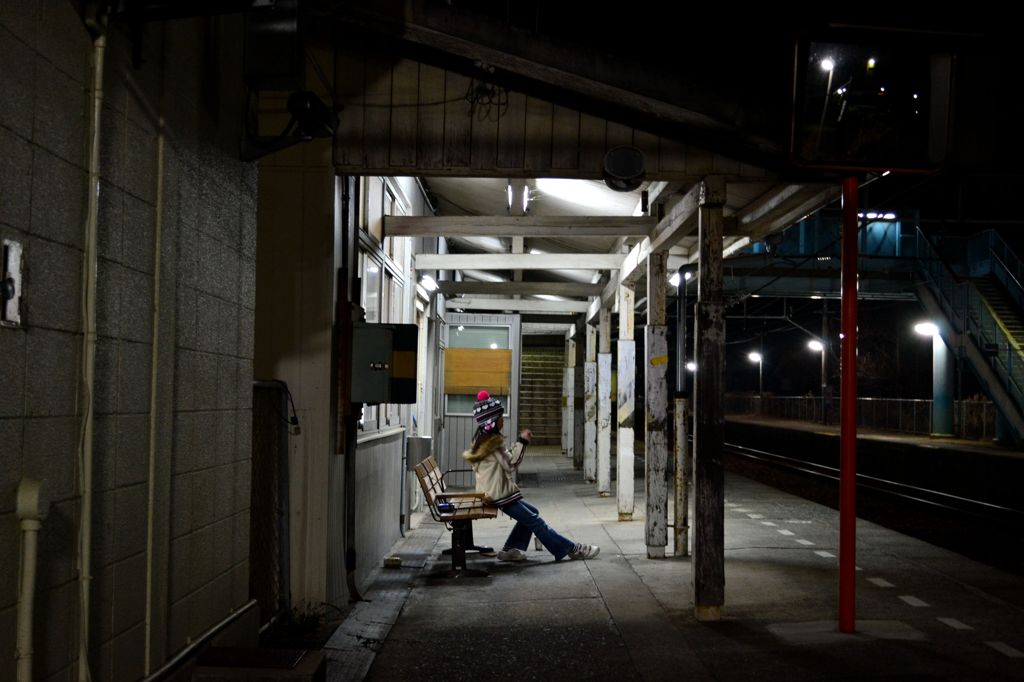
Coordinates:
x,y
494,466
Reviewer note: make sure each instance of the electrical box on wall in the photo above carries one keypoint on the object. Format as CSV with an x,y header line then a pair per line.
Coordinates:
x,y
10,285
384,363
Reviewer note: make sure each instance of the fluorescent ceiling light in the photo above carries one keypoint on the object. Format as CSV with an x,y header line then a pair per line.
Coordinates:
x,y
587,193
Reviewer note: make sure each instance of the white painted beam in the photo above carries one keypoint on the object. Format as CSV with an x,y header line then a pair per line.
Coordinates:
x,y
522,305
525,261
519,288
518,226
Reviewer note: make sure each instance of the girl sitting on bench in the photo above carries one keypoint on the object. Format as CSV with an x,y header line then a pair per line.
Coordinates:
x,y
494,464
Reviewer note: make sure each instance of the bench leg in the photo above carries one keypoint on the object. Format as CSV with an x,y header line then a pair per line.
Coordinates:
x,y
462,535
471,545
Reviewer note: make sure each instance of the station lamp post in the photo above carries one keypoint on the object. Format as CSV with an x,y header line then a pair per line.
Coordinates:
x,y
818,347
942,380
759,359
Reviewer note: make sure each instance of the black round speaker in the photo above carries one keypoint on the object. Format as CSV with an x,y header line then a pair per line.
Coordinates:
x,y
624,167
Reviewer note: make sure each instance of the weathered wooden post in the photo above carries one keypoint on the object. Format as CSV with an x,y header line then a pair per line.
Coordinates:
x,y
604,403
626,404
709,479
656,408
590,407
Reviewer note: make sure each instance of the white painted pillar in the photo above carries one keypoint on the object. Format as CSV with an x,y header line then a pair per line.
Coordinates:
x,y
590,408
626,404
604,404
570,398
656,409
566,417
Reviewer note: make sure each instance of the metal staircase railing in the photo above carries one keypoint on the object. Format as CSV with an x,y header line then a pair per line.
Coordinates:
x,y
966,310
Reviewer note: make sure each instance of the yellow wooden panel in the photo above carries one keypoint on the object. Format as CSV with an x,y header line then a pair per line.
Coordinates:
x,y
469,370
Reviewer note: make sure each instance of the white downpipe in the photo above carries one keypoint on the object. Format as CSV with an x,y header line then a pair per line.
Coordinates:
x,y
31,510
153,387
89,359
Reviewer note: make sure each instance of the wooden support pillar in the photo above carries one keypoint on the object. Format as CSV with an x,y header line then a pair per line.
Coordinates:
x,y
656,408
568,416
604,403
683,467
626,404
579,358
590,407
709,480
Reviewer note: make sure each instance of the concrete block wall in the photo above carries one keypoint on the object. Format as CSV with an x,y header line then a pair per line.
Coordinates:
x,y
202,368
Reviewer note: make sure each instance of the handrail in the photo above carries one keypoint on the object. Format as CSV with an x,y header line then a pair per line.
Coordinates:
x,y
1006,256
967,312
1017,290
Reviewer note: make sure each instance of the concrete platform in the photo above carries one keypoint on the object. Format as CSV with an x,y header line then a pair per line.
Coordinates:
x,y
923,613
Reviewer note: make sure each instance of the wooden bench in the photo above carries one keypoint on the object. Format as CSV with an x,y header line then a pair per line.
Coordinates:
x,y
457,511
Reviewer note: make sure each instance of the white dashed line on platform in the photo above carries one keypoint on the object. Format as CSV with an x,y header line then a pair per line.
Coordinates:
x,y
913,601
783,531
756,516
1006,649
768,523
880,582
804,542
744,511
825,555
955,624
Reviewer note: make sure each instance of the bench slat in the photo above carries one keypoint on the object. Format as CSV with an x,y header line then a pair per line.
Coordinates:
x,y
467,505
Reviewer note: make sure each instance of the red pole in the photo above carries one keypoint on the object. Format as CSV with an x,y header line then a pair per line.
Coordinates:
x,y
848,417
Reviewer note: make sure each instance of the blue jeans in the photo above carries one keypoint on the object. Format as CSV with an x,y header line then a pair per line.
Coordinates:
x,y
529,522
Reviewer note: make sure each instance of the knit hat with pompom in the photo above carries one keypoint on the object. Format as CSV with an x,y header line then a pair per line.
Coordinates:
x,y
487,410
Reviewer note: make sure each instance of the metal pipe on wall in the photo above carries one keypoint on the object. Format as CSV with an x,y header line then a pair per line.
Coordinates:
x,y
89,356
154,393
32,509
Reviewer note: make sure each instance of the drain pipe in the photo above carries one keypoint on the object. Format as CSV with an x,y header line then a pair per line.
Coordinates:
x,y
153,391
32,508
89,352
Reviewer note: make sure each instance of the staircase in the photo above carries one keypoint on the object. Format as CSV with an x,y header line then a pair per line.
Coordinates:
x,y
540,394
983,314
1003,307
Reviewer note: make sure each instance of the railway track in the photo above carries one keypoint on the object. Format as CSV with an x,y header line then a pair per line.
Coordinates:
x,y
935,500
980,530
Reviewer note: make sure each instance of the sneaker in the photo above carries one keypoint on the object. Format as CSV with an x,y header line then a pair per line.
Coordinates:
x,y
580,551
512,554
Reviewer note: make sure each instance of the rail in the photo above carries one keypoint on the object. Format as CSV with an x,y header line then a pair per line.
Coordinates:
x,y
972,419
903,491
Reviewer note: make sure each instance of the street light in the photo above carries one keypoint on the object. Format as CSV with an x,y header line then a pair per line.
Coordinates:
x,y
680,279
759,359
827,64
818,347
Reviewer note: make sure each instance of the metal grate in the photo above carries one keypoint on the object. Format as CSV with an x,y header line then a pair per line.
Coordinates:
x,y
268,519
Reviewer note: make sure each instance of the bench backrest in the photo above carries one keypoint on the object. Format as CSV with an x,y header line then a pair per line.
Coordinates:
x,y
430,478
